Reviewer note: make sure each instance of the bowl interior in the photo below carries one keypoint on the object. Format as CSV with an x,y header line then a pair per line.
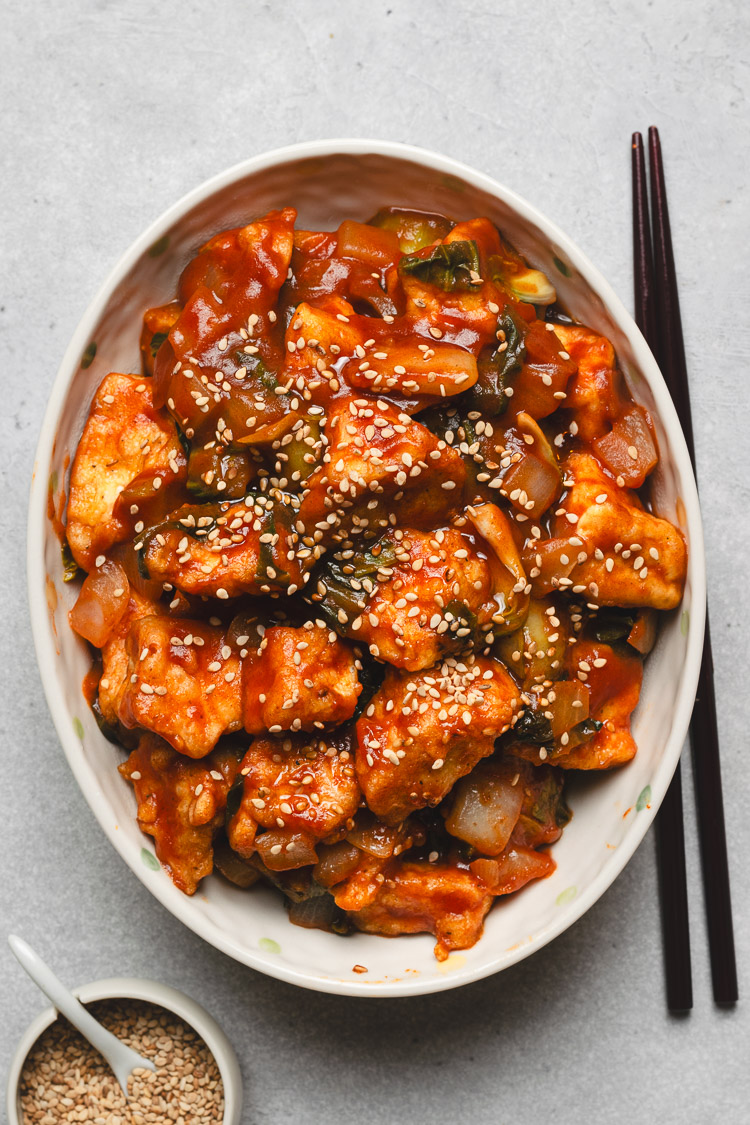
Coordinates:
x,y
611,811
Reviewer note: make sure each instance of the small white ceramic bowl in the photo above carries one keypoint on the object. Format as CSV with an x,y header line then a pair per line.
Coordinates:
x,y
328,181
125,988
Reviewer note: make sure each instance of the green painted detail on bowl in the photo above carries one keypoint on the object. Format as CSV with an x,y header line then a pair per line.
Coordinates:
x,y
88,356
562,267
158,247
685,622
566,896
268,945
53,479
78,728
643,799
452,183
150,859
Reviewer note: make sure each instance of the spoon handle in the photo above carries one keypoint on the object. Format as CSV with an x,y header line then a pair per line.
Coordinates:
x,y
120,1057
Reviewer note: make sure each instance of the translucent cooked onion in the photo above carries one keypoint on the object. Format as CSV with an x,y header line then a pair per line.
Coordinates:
x,y
374,837
336,863
294,850
374,246
101,603
509,578
629,450
568,703
486,806
515,867
642,637
549,560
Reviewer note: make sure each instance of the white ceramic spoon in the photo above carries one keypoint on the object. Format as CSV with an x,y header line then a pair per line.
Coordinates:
x,y
121,1058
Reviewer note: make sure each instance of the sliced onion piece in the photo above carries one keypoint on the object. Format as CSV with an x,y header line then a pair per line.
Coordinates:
x,y
101,603
629,449
295,849
372,836
548,561
486,806
514,868
568,703
336,863
642,637
509,576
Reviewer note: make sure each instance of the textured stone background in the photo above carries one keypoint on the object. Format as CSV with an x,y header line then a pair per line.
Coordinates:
x,y
111,111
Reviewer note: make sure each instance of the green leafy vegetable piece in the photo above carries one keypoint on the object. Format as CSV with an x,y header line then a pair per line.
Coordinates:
x,y
497,368
449,266
157,340
612,624
414,229
234,798
371,676
534,727
71,569
256,369
343,580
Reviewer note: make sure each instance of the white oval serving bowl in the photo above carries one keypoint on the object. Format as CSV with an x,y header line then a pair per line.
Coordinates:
x,y
328,181
152,991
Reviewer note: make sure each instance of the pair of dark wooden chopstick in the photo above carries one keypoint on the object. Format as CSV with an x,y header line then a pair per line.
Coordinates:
x,y
658,316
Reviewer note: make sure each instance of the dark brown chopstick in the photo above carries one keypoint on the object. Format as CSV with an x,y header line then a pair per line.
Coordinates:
x,y
669,822
704,734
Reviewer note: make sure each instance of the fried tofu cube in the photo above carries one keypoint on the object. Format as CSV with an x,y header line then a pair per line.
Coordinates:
x,y
317,336
414,596
434,898
224,550
183,682
380,459
423,731
125,439
596,393
115,656
181,804
306,789
299,679
634,558
613,677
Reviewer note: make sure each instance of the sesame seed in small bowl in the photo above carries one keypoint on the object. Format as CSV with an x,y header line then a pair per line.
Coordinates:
x,y
57,1076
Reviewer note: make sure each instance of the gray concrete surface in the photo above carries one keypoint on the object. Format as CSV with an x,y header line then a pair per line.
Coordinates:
x,y
112,110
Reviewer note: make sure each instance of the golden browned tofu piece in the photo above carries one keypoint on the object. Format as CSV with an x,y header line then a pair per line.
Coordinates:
x,y
596,392
413,597
633,557
180,804
297,787
125,439
317,336
613,677
224,550
433,898
299,679
423,731
379,461
115,656
183,683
